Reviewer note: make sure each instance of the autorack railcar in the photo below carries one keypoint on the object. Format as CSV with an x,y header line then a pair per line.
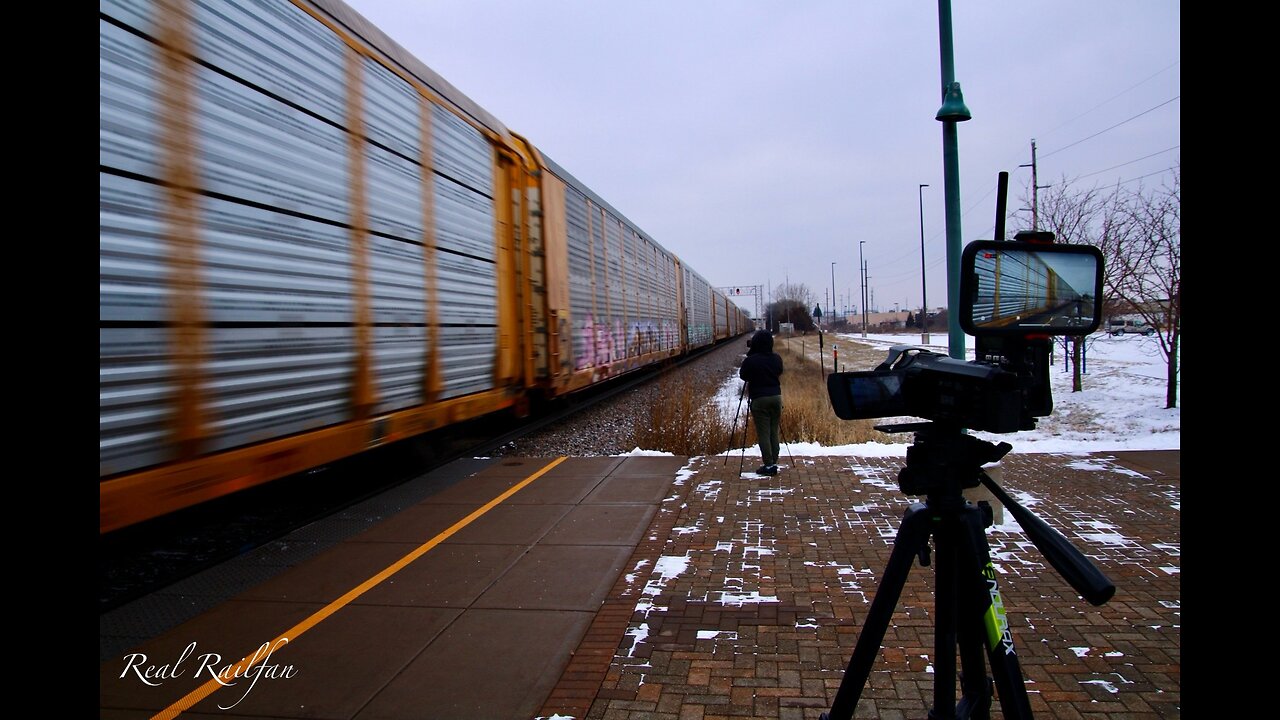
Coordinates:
x,y
312,245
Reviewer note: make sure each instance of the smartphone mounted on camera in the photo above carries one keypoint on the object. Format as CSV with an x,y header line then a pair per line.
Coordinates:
x,y
1014,296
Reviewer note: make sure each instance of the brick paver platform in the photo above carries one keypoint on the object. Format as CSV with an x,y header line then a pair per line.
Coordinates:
x,y
747,595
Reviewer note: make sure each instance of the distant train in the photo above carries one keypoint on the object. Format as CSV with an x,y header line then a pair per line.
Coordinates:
x,y
312,245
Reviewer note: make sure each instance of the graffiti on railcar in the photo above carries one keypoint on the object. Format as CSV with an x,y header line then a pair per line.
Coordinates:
x,y
700,335
604,342
650,336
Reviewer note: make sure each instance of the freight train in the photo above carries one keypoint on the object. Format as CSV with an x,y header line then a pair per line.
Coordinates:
x,y
312,245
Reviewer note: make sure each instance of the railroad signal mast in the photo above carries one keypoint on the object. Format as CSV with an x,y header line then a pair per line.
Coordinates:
x,y
736,291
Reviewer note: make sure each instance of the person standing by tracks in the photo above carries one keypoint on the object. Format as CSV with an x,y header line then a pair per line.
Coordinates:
x,y
761,370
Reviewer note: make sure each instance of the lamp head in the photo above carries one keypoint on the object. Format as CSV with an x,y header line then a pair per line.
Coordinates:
x,y
953,108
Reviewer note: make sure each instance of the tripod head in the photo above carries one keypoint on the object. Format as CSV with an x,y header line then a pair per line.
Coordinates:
x,y
943,461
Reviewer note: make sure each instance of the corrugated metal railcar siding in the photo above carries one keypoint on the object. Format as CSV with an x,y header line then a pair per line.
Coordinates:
x,y
581,295
466,315
658,304
671,303
278,291
466,274
646,332
462,153
465,223
650,313
698,308
985,303
397,278
600,286
136,374
128,102
392,112
254,146
397,287
615,289
660,298
277,279
276,256
394,202
276,47
640,308
995,275
703,310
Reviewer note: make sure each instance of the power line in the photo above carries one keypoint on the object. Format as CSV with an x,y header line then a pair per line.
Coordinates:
x,y
1150,174
1130,162
1113,127
1113,97
895,261
991,227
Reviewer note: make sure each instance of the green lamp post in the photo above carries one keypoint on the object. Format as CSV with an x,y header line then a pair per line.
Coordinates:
x,y
953,111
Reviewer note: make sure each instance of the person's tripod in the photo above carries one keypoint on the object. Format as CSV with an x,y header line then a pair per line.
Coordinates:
x,y
941,463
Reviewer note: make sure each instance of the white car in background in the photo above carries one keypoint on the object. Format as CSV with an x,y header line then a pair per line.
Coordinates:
x,y
1122,326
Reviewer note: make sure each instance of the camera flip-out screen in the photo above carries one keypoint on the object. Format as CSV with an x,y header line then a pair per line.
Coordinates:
x,y
863,395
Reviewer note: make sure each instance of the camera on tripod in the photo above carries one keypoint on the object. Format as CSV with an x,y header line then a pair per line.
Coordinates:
x,y
1014,296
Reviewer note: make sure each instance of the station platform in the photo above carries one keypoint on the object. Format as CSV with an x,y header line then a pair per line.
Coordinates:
x,y
660,587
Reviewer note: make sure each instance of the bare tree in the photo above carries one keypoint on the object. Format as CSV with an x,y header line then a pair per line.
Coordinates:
x,y
1139,234
1074,216
791,305
1147,269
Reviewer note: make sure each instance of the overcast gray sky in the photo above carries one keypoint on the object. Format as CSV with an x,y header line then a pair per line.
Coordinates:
x,y
762,141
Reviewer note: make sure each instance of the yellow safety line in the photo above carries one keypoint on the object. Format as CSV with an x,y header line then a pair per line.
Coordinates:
x,y
292,633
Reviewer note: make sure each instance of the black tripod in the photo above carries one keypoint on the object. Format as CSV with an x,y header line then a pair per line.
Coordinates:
x,y
969,612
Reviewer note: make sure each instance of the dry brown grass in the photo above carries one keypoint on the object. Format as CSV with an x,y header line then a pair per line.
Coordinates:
x,y
685,421
807,415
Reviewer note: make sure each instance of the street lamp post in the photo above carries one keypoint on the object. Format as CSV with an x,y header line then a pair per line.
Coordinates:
x,y
862,285
924,290
833,292
952,112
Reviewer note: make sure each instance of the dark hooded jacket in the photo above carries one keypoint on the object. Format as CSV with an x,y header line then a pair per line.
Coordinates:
x,y
762,367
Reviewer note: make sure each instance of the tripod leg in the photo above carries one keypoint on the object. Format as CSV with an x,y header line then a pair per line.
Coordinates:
x,y
914,532
976,688
944,624
985,618
733,430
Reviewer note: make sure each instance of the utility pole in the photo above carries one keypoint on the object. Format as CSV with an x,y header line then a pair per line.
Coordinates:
x,y
924,285
1036,187
1035,190
833,294
862,282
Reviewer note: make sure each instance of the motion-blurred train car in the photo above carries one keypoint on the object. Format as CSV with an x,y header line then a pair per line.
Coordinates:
x,y
1021,288
312,245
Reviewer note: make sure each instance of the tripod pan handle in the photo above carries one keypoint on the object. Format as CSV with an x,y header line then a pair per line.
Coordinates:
x,y
1070,563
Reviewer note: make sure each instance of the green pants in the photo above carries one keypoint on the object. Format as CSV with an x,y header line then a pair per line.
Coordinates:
x,y
767,412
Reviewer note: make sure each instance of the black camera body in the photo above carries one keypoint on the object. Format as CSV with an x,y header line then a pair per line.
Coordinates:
x,y
993,395
1014,296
